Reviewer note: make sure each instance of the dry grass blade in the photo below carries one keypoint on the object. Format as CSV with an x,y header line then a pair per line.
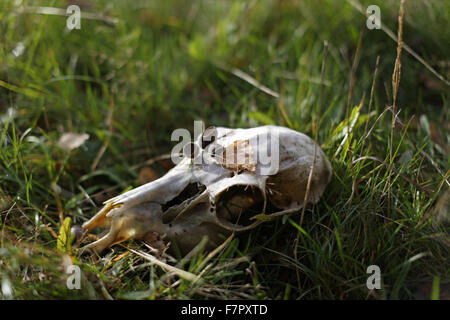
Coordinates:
x,y
4,224
181,273
395,86
151,161
102,150
316,138
311,172
240,74
213,253
62,12
249,79
349,102
372,92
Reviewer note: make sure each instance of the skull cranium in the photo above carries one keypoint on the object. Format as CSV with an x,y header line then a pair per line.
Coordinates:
x,y
228,179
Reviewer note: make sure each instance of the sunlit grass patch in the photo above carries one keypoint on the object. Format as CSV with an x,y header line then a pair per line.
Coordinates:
x,y
124,87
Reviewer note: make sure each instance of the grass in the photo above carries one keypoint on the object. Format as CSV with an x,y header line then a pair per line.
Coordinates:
x,y
164,64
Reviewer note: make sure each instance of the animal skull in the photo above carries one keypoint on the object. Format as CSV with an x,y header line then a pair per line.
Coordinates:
x,y
225,180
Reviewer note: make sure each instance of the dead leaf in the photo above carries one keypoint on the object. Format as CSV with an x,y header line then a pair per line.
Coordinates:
x,y
70,140
239,156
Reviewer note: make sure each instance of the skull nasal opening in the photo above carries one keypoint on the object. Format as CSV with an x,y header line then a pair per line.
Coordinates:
x,y
239,203
174,206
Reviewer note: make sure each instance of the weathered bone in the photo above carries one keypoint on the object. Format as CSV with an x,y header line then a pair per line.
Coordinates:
x,y
220,194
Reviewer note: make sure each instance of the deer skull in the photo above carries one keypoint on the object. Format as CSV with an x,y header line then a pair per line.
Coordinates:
x,y
229,180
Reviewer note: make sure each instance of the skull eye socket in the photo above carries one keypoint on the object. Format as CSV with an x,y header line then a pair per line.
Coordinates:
x,y
239,203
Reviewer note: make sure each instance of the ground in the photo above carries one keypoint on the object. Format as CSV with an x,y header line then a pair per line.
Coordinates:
x,y
140,69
